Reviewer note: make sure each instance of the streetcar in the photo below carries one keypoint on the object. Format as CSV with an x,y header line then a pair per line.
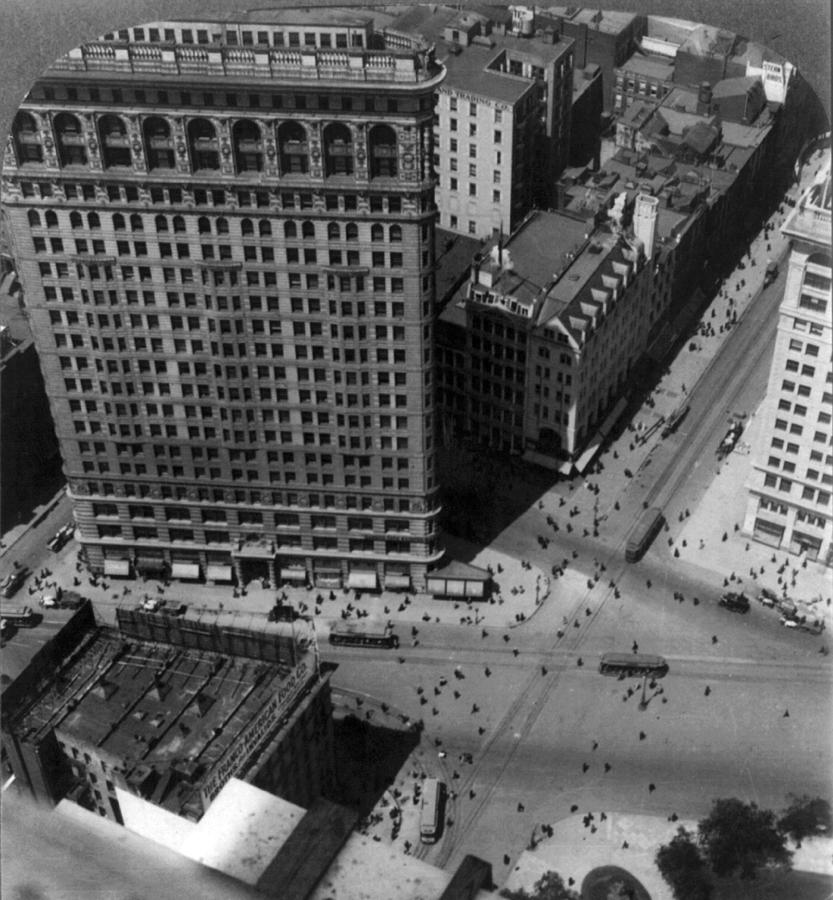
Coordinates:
x,y
632,664
643,533
430,812
358,635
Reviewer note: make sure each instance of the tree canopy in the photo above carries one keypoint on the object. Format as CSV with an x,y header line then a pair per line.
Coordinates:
x,y
550,886
683,868
740,837
806,817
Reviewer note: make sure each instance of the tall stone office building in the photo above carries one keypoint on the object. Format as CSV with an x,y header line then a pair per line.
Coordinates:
x,y
790,503
225,233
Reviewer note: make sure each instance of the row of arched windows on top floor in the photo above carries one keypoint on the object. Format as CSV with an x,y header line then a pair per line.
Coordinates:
x,y
177,225
248,144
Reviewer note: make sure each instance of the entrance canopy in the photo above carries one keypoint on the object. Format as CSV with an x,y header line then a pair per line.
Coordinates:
x,y
365,580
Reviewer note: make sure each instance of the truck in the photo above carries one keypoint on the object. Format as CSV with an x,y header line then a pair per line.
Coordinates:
x,y
363,635
60,599
642,534
23,617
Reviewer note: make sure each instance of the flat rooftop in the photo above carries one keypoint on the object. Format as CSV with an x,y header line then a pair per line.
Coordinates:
x,y
608,21
158,705
538,250
650,66
469,71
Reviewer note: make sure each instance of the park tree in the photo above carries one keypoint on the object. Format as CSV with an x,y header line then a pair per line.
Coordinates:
x,y
806,817
550,886
738,837
683,868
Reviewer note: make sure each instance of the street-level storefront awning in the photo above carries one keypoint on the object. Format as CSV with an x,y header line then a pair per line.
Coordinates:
x,y
214,572
294,574
117,567
367,581
150,563
327,580
592,449
397,582
185,571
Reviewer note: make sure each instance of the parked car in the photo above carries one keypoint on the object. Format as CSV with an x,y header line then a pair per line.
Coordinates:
x,y
152,604
12,582
61,536
735,602
788,622
727,445
768,598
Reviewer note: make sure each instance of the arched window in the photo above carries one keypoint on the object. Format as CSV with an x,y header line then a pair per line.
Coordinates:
x,y
308,230
395,234
179,225
34,217
51,219
248,146
247,227
118,222
93,220
115,146
203,225
333,232
383,152
290,230
264,227
136,223
205,148
222,226
161,223
159,144
293,148
70,138
75,219
351,232
27,139
338,150
377,233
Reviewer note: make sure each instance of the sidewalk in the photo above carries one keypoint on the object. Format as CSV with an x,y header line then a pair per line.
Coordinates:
x,y
519,591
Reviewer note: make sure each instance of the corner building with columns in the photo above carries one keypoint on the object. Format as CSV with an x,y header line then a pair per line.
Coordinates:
x,y
225,234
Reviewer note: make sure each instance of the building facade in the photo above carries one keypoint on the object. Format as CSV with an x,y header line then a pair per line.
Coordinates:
x,y
537,349
503,115
792,478
225,235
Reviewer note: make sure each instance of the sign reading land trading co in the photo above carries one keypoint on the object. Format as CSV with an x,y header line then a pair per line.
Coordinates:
x,y
248,742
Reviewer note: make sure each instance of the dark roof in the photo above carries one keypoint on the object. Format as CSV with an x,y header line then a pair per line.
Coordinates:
x,y
701,137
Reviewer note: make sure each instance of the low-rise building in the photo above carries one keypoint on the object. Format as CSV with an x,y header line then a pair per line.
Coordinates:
x,y
791,484
169,708
537,347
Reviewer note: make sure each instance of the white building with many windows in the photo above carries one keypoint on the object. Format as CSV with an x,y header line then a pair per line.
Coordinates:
x,y
792,480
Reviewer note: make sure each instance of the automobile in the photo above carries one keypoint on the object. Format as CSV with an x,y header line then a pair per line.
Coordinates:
x,y
152,604
61,536
771,272
727,445
789,622
768,598
734,602
12,582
